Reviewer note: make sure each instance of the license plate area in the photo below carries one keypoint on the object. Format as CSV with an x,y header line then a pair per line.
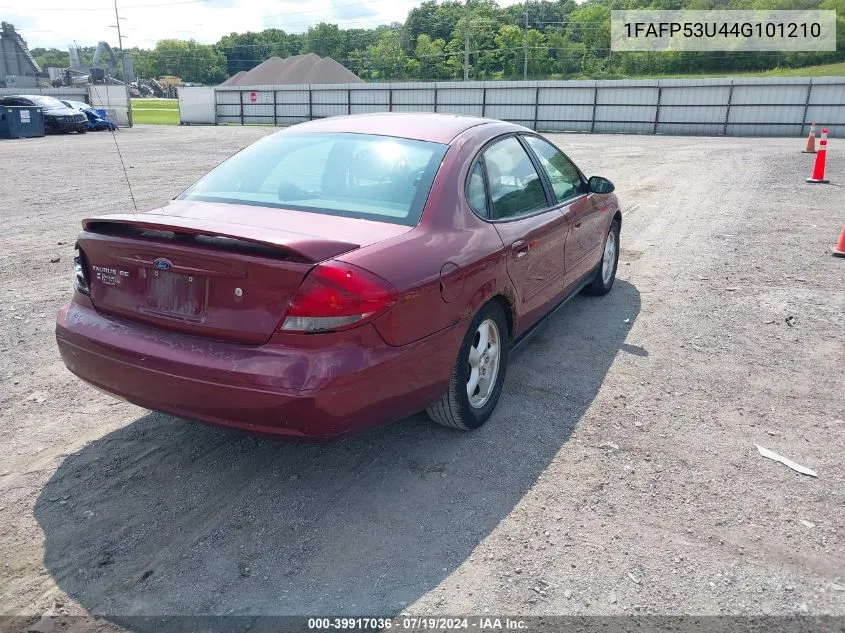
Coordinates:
x,y
176,295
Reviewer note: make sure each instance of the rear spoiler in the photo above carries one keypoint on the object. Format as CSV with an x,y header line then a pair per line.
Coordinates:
x,y
307,248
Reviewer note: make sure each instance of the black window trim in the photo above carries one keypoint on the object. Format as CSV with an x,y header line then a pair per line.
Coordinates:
x,y
479,159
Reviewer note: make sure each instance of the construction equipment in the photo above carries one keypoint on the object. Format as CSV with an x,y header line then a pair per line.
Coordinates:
x,y
98,73
165,86
18,67
103,68
71,77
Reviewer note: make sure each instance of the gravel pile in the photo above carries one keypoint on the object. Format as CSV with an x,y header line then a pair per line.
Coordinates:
x,y
297,69
231,81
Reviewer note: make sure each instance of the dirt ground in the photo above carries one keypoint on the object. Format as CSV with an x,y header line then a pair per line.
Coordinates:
x,y
618,475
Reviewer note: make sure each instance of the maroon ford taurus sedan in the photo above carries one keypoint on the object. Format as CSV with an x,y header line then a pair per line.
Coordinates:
x,y
340,274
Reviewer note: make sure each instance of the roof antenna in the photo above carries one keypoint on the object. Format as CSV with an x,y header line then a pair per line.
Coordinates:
x,y
108,107
117,146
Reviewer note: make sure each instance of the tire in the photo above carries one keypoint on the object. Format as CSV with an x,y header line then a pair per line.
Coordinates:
x,y
456,409
604,277
82,131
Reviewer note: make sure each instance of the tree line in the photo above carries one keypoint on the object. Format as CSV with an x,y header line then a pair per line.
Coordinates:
x,y
560,39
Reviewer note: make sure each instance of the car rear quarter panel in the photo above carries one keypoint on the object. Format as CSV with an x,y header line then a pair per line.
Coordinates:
x,y
449,238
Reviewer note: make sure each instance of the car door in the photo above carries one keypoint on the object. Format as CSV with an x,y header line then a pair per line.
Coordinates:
x,y
572,195
520,207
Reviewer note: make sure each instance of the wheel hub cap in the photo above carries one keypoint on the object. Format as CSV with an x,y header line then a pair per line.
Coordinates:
x,y
483,363
609,259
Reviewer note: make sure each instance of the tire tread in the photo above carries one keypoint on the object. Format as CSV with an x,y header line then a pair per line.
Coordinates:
x,y
596,287
448,411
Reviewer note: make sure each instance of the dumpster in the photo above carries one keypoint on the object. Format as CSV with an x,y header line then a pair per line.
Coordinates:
x,y
21,122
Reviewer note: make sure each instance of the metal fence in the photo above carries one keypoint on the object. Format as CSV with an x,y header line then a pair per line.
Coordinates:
x,y
730,107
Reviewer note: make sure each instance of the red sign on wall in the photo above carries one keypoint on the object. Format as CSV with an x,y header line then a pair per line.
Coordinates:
x,y
253,97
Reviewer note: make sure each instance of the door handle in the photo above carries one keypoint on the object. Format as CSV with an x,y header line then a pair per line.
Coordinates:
x,y
520,248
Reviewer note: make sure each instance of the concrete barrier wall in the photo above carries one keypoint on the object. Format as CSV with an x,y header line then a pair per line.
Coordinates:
x,y
196,105
113,99
71,94
713,107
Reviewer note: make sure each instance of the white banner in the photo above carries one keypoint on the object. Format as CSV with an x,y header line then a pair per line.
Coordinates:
x,y
786,31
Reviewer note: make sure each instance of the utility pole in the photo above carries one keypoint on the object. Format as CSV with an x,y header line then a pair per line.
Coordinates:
x,y
525,67
466,43
122,65
120,42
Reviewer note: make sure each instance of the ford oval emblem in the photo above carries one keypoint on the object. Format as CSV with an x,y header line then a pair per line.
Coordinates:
x,y
162,264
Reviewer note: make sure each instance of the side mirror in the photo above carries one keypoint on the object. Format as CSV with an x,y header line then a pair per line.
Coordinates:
x,y
598,184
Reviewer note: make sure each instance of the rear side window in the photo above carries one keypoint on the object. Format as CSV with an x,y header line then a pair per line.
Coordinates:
x,y
476,193
352,175
513,182
563,175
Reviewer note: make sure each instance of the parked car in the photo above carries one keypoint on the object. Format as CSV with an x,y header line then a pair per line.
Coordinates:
x,y
96,122
81,106
57,116
340,274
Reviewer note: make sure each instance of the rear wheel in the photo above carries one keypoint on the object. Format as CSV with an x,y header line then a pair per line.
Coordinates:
x,y
479,373
606,270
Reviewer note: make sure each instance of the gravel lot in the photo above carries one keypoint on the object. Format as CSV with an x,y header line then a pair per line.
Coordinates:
x,y
618,475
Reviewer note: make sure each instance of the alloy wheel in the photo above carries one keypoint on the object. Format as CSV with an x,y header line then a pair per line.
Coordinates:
x,y
483,362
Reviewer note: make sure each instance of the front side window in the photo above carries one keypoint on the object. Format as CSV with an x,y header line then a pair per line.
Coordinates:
x,y
366,176
563,174
513,182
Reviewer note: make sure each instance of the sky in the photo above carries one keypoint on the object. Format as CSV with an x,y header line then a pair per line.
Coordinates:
x,y
60,23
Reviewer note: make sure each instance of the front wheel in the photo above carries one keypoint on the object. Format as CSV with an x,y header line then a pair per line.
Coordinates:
x,y
606,270
479,373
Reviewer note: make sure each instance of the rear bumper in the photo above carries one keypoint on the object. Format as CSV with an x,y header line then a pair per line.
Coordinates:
x,y
306,389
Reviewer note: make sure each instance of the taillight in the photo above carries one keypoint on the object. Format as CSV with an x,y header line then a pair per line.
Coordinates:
x,y
336,296
80,272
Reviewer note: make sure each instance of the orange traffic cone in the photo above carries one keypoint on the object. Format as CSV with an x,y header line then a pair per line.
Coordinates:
x,y
839,249
811,140
818,168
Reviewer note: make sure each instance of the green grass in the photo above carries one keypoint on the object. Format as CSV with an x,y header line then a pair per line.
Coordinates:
x,y
155,111
823,70
162,104
155,117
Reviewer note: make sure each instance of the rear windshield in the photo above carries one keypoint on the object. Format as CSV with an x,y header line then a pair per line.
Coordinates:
x,y
352,175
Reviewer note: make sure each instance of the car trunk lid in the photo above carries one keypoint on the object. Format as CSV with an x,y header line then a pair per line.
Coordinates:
x,y
217,270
